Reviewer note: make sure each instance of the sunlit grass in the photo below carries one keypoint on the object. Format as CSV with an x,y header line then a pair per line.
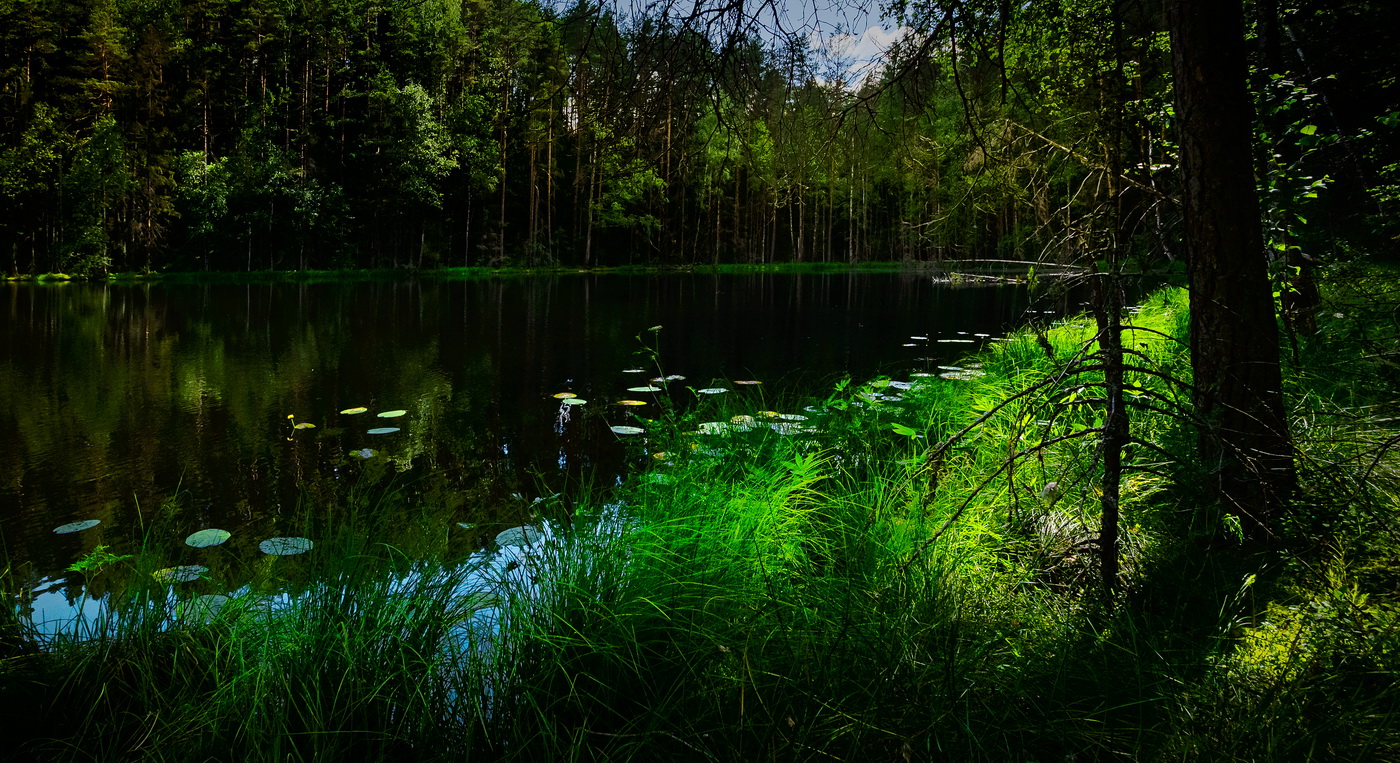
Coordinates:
x,y
906,572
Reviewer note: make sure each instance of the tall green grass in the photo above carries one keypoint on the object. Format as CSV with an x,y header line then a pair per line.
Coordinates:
x,y
890,579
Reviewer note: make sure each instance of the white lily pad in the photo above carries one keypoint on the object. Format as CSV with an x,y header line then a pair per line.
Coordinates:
x,y
285,546
574,401
391,414
647,388
363,453
792,417
714,427
524,535
208,537
354,411
711,391
634,370
382,430
73,527
181,574
622,429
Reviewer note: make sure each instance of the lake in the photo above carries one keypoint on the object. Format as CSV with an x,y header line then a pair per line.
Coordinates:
x,y
164,408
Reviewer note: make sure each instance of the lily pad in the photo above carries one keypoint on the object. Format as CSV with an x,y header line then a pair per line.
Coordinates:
x,y
466,525
647,388
574,401
202,608
747,382
631,402
634,370
304,425
711,391
714,427
182,574
354,411
622,429
565,395
792,417
524,535
391,414
208,537
382,430
285,546
363,453
73,527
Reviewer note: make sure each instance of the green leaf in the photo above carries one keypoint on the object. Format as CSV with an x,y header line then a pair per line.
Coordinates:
x,y
900,429
182,574
73,527
285,546
208,537
1308,129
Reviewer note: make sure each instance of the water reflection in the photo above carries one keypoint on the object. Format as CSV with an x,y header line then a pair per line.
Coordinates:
x,y
163,408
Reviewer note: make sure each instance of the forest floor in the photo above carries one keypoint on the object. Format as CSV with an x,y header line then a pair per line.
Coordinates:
x,y
901,570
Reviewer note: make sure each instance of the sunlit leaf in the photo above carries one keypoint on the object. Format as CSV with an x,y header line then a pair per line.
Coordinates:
x,y
634,370
363,453
711,391
182,574
644,389
524,535
714,427
631,402
792,417
285,546
466,525
747,382
208,537
73,527
574,401
390,414
304,425
382,430
354,411
622,429
565,395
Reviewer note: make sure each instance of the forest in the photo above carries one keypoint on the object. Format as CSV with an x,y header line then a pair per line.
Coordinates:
x,y
154,135
1153,519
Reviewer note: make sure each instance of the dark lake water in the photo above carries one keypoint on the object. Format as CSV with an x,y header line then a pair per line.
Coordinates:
x,y
136,403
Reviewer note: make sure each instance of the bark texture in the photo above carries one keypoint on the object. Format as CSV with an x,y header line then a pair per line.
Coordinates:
x,y
1234,332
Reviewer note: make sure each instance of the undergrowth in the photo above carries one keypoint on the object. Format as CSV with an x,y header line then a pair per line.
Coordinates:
x,y
904,570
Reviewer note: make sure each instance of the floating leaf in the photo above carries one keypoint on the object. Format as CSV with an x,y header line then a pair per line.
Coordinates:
x,y
182,574
303,425
202,608
620,429
574,401
565,395
792,417
73,527
909,344
354,411
382,430
711,391
631,402
769,414
363,453
634,370
466,526
919,338
391,414
285,546
714,427
524,535
747,382
661,455
742,422
208,537
644,389
669,378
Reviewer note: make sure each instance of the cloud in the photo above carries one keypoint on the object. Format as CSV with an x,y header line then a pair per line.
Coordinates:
x,y
862,55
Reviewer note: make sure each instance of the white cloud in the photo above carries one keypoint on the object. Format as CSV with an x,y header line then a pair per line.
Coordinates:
x,y
860,56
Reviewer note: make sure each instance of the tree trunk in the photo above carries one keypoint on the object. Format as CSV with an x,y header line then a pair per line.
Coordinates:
x,y
1234,335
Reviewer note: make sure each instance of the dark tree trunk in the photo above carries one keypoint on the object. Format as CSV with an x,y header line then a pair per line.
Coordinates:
x,y
1234,335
